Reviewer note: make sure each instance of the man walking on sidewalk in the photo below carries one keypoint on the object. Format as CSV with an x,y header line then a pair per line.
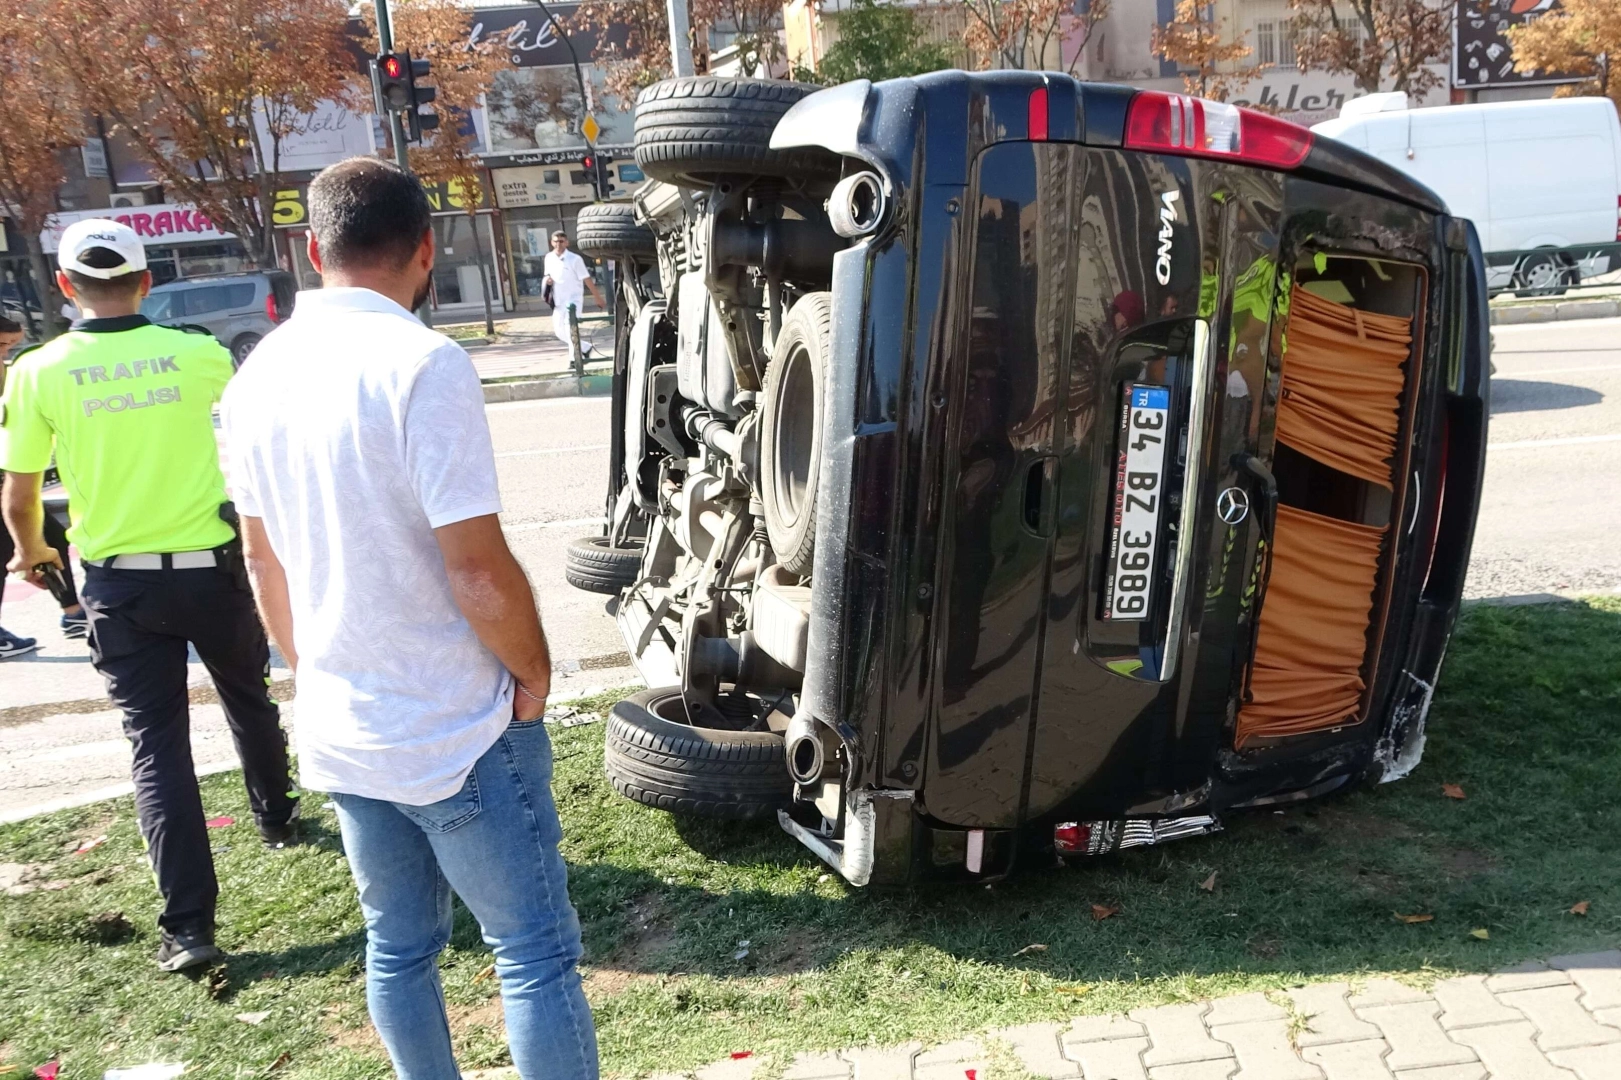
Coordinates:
x,y
127,408
568,276
364,472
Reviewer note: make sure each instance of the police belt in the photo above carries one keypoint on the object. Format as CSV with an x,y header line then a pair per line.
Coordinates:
x,y
179,560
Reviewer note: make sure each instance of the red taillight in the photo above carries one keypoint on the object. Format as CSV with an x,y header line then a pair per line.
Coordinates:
x,y
272,309
1178,124
1038,114
1072,837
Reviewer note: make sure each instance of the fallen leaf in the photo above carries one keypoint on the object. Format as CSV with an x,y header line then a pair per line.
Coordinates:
x,y
1209,883
1031,949
1452,791
1411,919
286,1056
486,973
1103,911
219,983
219,822
1074,991
253,1017
1482,934
739,1055
89,845
1024,983
1580,907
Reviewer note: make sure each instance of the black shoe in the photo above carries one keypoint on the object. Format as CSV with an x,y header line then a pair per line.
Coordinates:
x,y
284,835
187,949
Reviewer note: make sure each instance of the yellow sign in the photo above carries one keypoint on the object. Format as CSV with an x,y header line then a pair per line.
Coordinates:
x,y
590,128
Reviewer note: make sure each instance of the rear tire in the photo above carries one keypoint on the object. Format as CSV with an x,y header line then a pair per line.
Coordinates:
x,y
654,757
611,230
791,431
592,563
1545,275
242,346
693,130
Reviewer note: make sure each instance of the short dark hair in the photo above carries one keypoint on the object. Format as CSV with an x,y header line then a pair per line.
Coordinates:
x,y
105,290
558,233
366,211
8,326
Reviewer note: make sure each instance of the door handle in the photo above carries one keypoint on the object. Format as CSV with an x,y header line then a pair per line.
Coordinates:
x,y
1038,496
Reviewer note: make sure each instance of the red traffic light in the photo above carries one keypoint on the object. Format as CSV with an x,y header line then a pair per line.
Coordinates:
x,y
587,161
392,67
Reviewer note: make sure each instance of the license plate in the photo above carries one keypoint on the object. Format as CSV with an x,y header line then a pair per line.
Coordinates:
x,y
1139,499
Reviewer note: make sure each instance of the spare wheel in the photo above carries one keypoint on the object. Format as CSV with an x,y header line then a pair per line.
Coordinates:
x,y
611,229
656,757
596,564
695,129
791,431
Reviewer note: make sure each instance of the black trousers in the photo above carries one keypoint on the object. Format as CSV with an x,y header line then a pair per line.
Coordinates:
x,y
140,622
56,536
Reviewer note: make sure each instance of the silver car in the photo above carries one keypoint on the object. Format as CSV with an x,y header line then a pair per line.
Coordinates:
x,y
238,309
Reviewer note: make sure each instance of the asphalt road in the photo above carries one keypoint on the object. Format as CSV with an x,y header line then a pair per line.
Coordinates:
x,y
1549,523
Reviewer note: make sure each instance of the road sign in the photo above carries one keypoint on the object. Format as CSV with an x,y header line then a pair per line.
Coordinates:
x,y
590,129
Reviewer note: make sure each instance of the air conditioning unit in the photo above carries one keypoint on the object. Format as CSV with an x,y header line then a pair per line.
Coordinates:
x,y
126,200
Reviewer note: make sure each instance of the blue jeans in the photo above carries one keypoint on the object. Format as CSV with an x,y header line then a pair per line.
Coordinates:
x,y
494,842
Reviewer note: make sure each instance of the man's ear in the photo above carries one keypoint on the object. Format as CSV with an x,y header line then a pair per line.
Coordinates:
x,y
146,284
314,250
64,285
425,250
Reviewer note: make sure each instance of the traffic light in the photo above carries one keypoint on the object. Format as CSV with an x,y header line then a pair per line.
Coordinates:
x,y
395,89
597,169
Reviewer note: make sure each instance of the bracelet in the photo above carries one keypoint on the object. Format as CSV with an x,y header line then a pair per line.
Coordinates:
x,y
526,692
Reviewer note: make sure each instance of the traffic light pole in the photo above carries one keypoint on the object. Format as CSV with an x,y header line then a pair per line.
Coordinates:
x,y
396,126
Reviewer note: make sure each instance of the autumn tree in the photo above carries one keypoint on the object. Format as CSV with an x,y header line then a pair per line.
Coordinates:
x,y
1580,37
1021,34
40,123
639,54
207,93
1379,43
1193,41
878,41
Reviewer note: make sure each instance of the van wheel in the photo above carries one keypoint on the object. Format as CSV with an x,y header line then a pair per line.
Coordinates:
x,y
242,346
1545,275
791,430
594,564
657,757
611,229
695,129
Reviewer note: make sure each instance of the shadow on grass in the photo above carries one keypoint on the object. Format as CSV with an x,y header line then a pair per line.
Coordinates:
x,y
1526,721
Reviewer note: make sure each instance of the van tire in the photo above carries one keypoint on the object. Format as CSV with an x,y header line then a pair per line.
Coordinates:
x,y
705,772
793,416
1553,270
594,564
693,130
611,229
242,346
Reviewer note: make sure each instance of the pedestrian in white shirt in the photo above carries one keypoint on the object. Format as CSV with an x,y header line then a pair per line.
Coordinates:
x,y
364,474
566,273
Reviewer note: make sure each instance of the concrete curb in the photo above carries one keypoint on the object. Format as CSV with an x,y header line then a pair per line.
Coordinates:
x,y
1555,311
557,387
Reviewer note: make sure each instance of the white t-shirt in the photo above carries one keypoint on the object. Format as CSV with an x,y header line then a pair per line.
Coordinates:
x,y
568,274
354,433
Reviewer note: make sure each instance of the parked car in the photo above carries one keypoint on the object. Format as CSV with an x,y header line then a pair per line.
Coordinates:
x,y
1541,180
238,309
1005,464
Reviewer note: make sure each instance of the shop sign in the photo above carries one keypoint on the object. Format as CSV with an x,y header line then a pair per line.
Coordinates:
x,y
289,207
568,156
169,223
1481,54
517,188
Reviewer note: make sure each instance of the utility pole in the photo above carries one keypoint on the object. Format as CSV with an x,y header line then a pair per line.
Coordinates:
x,y
680,37
396,125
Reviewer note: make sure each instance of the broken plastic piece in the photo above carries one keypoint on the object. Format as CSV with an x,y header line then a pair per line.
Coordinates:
x,y
219,822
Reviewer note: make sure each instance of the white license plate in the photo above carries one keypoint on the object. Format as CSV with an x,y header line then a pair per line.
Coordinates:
x,y
1139,499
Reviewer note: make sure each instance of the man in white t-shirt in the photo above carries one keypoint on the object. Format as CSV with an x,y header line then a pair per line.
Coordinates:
x,y
566,273
363,470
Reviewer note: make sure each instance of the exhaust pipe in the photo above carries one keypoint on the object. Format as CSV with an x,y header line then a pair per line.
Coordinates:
x,y
805,744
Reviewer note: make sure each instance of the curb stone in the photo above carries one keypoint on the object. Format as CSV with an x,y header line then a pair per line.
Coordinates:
x,y
1555,311
557,387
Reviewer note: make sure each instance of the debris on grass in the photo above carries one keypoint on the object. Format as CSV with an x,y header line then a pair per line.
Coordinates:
x,y
254,1018
1452,791
48,1070
1580,907
485,974
742,950
1031,949
151,1071
90,845
110,928
739,1055
1103,911
219,822
1411,919
1209,883
1481,934
1073,991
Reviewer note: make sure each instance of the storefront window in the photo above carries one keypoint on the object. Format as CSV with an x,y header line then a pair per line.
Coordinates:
x,y
460,267
539,108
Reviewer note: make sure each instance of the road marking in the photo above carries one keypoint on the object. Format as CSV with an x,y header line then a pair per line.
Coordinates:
x,y
1512,375
552,450
1574,440
530,526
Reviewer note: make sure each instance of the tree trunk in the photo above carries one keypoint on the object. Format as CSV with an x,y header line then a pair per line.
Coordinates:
x,y
485,273
42,286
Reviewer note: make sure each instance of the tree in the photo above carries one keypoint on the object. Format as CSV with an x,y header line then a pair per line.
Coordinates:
x,y
1019,34
640,54
40,122
208,93
878,41
1580,37
1192,40
1368,39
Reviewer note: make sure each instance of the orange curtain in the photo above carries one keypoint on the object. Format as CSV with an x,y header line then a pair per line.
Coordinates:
x,y
1342,380
1314,626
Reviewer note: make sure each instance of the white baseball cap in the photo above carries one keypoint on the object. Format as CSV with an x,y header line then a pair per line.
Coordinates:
x,y
100,248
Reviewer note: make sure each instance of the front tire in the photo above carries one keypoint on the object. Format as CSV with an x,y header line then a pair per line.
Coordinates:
x,y
654,756
611,230
242,346
1544,274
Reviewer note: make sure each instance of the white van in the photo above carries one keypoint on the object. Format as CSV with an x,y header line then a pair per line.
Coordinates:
x,y
1540,179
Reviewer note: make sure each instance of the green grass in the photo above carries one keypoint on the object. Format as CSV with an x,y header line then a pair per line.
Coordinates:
x,y
1527,721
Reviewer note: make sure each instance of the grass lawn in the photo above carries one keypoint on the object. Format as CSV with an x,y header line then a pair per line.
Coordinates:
x,y
1527,721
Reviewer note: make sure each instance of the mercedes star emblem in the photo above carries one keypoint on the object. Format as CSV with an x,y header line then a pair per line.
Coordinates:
x,y
1233,505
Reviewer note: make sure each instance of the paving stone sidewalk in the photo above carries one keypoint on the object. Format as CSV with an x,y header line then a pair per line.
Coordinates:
x,y
1559,1020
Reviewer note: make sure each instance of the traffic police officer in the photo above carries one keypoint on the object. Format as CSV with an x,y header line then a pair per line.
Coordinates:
x,y
127,407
